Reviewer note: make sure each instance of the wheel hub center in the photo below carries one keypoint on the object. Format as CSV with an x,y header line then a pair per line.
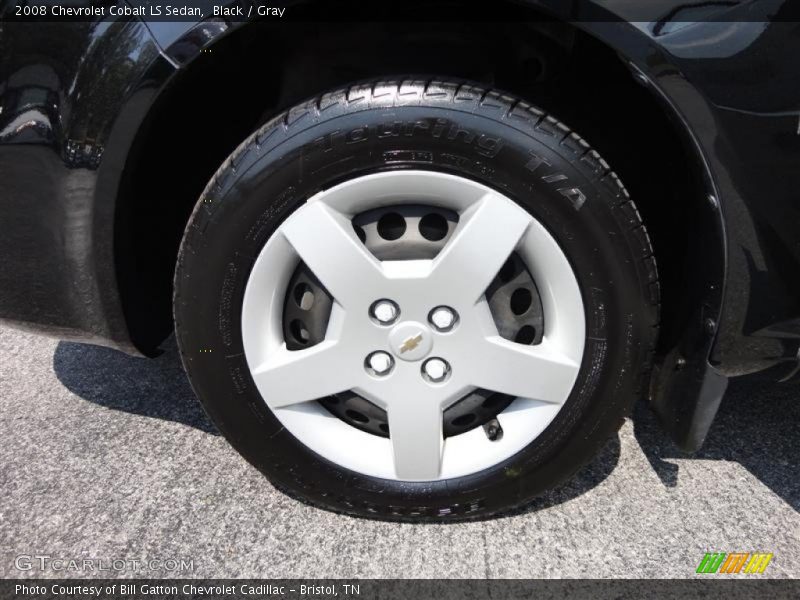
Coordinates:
x,y
411,341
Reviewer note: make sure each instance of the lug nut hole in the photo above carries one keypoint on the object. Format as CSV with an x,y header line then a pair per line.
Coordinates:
x,y
525,335
384,312
304,296
299,331
435,370
379,364
433,227
521,301
391,226
443,319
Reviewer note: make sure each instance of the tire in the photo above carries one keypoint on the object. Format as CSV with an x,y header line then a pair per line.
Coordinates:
x,y
452,128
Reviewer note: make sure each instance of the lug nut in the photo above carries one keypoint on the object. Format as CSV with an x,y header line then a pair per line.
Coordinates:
x,y
384,312
443,318
379,364
435,370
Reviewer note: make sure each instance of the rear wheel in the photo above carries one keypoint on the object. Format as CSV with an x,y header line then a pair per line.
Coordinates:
x,y
416,301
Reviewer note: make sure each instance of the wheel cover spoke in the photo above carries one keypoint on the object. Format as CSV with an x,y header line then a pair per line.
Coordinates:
x,y
324,239
490,230
303,375
534,372
415,431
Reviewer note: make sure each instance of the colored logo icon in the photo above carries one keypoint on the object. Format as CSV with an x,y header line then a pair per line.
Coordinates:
x,y
734,562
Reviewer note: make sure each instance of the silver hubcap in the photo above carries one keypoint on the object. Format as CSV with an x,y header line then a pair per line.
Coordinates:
x,y
428,341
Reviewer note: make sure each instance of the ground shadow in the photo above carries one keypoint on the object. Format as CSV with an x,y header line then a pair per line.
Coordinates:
x,y
155,388
158,388
756,426
586,478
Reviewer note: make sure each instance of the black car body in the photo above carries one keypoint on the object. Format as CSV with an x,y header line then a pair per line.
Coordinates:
x,y
111,127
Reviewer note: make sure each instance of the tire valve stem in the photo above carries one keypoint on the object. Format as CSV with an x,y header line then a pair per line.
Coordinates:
x,y
493,430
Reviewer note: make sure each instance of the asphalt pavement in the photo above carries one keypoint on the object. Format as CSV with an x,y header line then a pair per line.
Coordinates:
x,y
105,457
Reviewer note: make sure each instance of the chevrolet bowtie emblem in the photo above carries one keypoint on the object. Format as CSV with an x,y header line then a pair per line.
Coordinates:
x,y
411,343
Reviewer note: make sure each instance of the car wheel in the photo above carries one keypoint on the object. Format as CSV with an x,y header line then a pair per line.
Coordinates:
x,y
416,301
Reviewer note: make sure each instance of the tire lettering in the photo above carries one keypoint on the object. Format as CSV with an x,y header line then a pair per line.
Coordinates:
x,y
574,195
464,162
323,143
554,177
456,131
481,143
407,155
390,129
535,162
356,135
439,127
420,125
489,146
454,159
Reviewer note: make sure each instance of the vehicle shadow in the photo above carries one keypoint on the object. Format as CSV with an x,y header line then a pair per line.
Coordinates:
x,y
586,478
756,426
155,387
158,388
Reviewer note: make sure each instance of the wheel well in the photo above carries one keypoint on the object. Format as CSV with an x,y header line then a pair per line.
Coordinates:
x,y
222,96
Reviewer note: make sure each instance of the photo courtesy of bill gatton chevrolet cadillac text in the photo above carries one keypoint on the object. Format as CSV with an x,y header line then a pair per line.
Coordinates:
x,y
416,270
